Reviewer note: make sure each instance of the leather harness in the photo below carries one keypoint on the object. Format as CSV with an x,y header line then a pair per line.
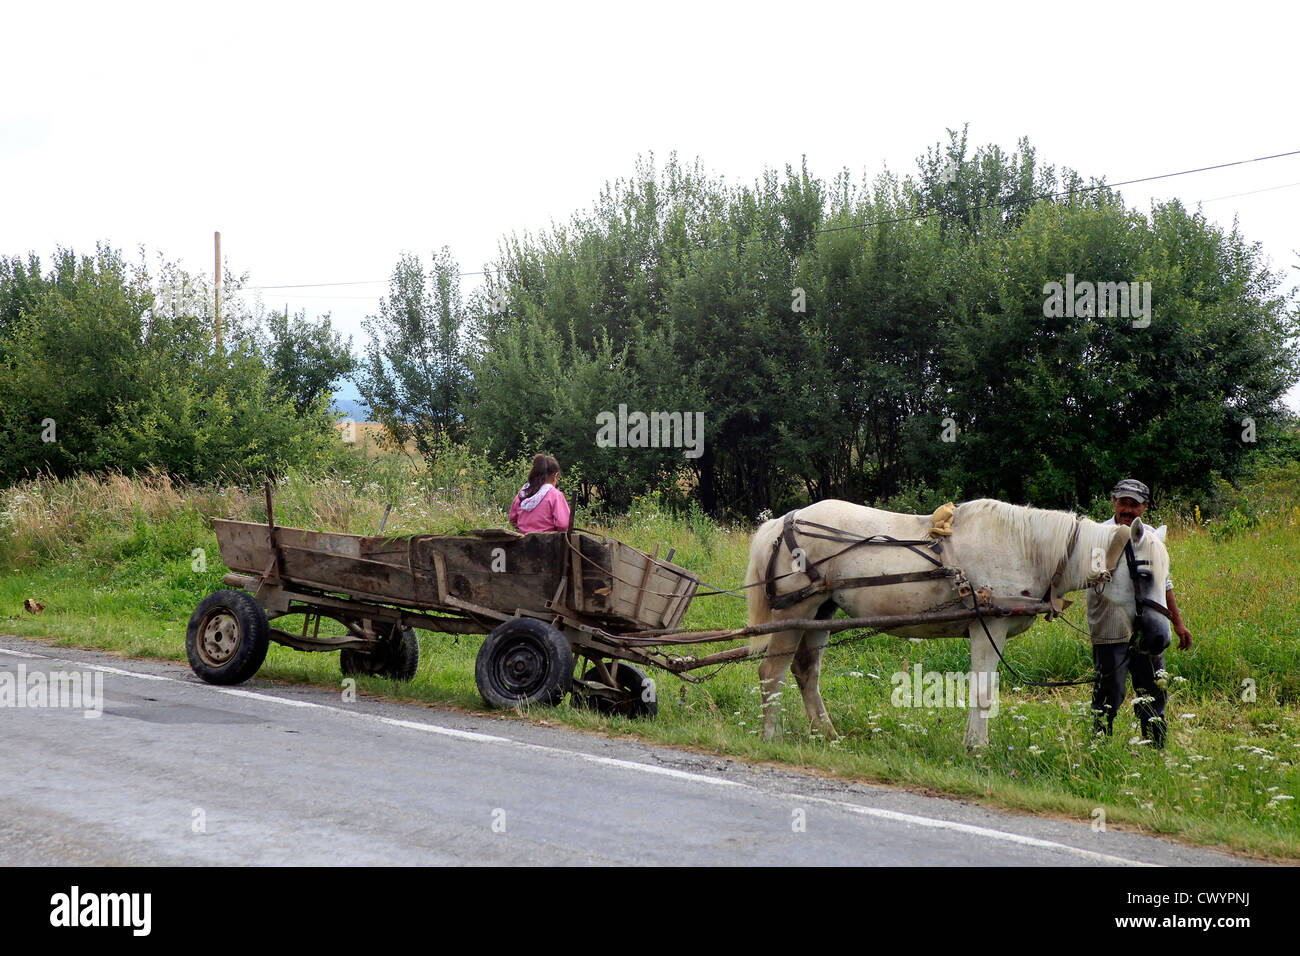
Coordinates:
x,y
819,584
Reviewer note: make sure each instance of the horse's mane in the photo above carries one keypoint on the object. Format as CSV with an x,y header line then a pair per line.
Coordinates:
x,y
1041,534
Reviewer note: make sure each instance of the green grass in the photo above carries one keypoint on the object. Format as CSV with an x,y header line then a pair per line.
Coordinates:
x,y
114,561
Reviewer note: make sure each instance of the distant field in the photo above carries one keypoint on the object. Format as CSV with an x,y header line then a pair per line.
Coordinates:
x,y
115,562
369,438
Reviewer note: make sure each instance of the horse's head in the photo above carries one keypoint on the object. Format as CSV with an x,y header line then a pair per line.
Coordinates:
x,y
1137,585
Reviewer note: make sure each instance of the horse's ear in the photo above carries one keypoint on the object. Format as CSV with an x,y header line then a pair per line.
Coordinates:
x,y
1119,537
1160,531
1138,529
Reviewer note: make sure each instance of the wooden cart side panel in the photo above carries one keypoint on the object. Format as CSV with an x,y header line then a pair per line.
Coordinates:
x,y
667,588
503,573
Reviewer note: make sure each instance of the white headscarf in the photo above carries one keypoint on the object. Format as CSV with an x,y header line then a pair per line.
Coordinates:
x,y
528,504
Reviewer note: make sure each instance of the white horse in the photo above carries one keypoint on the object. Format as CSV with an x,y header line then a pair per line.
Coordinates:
x,y
1021,554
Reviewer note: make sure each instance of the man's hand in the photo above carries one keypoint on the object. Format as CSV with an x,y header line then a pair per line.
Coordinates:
x,y
1184,635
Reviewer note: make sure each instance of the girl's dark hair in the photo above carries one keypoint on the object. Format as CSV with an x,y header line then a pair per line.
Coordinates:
x,y
543,467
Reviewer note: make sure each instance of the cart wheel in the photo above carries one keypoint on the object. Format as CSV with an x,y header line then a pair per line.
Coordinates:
x,y
633,686
227,637
396,658
524,661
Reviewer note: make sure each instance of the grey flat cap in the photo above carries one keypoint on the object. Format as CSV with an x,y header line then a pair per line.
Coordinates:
x,y
1132,488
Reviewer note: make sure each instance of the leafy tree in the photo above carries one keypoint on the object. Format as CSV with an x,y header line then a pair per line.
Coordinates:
x,y
103,366
414,375
306,358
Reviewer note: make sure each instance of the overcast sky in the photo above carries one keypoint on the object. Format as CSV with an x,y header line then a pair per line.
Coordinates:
x,y
324,139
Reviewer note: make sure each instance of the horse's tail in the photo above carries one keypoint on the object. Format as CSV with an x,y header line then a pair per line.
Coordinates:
x,y
760,611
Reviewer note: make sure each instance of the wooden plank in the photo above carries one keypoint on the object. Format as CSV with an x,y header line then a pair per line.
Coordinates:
x,y
645,577
574,543
832,625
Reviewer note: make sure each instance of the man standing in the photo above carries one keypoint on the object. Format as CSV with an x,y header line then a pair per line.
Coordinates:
x,y
1110,636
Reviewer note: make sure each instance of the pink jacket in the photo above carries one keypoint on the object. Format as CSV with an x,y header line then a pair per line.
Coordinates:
x,y
551,515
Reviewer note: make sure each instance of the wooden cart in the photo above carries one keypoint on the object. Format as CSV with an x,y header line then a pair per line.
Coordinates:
x,y
547,603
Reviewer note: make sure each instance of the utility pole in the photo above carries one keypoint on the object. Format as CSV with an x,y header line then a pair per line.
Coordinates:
x,y
216,281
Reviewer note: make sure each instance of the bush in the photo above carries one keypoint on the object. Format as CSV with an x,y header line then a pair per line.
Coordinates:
x,y
103,368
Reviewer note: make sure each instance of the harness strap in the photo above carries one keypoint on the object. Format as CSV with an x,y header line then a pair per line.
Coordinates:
x,y
1134,563
787,537
879,580
912,545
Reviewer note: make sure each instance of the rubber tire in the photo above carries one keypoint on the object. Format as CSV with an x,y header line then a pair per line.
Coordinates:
x,y
251,632
630,679
540,649
399,665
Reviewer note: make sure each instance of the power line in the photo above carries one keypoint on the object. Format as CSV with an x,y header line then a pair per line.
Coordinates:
x,y
916,217
1253,192
319,285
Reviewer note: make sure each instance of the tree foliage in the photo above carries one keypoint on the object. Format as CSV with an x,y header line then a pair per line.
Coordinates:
x,y
835,335
103,365
414,376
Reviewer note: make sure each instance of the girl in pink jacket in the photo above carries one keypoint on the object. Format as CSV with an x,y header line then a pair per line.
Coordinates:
x,y
540,505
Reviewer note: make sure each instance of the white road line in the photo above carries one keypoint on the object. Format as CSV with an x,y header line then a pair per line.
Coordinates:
x,y
430,728
114,670
634,765
89,667
892,815
269,698
971,828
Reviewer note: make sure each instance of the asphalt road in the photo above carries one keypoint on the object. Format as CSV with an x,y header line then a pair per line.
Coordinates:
x,y
176,771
